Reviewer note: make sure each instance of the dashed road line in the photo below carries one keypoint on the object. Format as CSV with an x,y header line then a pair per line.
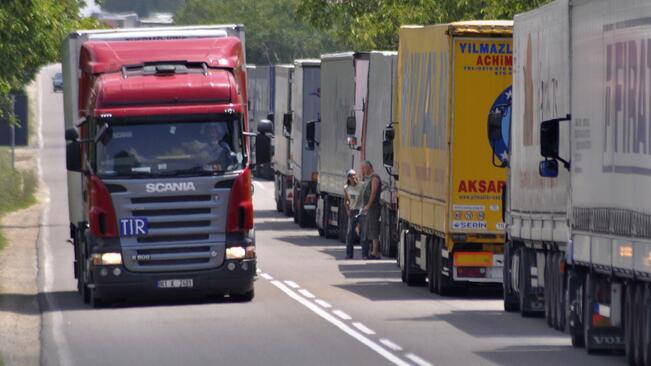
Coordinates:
x,y
306,293
341,325
417,360
363,328
323,303
292,284
342,315
266,276
392,346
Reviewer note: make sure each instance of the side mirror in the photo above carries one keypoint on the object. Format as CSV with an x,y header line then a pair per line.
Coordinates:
x,y
352,143
71,134
549,137
73,156
351,125
287,124
265,127
387,146
310,135
548,168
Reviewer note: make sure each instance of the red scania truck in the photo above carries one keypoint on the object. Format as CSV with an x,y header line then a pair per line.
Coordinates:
x,y
160,197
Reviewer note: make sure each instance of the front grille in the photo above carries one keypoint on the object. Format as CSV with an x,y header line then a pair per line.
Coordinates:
x,y
172,238
174,262
178,224
171,199
175,257
172,212
174,250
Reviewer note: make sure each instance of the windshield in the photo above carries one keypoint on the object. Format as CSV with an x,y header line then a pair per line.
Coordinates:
x,y
170,149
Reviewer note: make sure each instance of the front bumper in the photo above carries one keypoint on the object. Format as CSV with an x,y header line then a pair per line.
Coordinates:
x,y
220,280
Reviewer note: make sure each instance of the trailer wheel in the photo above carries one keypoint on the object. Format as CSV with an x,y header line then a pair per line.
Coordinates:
x,y
432,263
278,194
343,221
287,208
588,290
638,322
629,323
327,229
524,281
560,293
548,290
444,282
554,271
297,204
412,279
508,295
646,327
574,297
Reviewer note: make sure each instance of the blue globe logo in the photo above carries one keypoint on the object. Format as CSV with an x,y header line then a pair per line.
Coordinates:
x,y
499,125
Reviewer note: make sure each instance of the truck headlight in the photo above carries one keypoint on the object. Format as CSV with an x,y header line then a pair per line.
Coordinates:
x,y
240,252
107,259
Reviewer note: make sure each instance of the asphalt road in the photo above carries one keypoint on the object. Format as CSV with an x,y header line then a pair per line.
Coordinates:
x,y
311,307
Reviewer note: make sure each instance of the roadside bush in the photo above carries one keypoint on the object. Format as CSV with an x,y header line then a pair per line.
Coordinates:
x,y
16,187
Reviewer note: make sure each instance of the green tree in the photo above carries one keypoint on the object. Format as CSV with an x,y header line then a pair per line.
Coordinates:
x,y
274,34
30,37
142,7
374,24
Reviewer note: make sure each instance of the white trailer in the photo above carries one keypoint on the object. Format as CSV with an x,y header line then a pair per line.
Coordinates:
x,y
580,238
283,178
306,102
344,87
70,68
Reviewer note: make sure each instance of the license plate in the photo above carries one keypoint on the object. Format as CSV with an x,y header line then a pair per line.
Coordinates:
x,y
178,283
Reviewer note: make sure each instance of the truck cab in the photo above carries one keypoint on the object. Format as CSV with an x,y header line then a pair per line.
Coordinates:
x,y
165,181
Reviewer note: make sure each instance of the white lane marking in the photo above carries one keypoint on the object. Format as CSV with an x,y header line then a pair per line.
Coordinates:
x,y
258,184
392,346
292,284
417,360
258,271
363,328
342,315
266,276
323,303
306,293
341,325
61,343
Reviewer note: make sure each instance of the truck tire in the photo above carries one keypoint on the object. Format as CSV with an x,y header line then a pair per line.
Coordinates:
x,y
508,295
524,281
432,284
443,282
554,290
638,322
327,229
278,194
287,207
385,233
588,305
646,326
297,204
629,323
560,293
574,284
548,290
243,297
411,278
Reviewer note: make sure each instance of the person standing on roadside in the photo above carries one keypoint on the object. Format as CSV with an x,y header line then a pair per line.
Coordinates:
x,y
352,203
371,211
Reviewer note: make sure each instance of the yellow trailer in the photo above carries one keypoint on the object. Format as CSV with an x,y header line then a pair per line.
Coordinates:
x,y
453,81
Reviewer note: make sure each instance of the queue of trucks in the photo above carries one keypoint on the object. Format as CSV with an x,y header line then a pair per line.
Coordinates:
x,y
510,152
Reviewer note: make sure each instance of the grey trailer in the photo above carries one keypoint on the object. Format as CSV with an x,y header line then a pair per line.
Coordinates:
x,y
344,87
260,91
306,102
283,176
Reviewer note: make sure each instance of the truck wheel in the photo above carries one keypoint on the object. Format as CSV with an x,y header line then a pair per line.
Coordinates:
x,y
443,282
244,297
638,322
287,207
646,327
297,204
588,290
431,264
524,281
412,279
561,316
509,296
343,221
327,229
629,323
554,290
278,193
574,285
548,291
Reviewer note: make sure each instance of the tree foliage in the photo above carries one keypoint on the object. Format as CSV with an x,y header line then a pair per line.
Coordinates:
x,y
374,24
30,36
273,32
142,7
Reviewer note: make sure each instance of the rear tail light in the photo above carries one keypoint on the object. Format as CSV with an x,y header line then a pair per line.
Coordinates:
x,y
310,199
240,205
315,177
101,214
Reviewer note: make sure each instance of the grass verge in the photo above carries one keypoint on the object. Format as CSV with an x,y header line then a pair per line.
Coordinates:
x,y
17,188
